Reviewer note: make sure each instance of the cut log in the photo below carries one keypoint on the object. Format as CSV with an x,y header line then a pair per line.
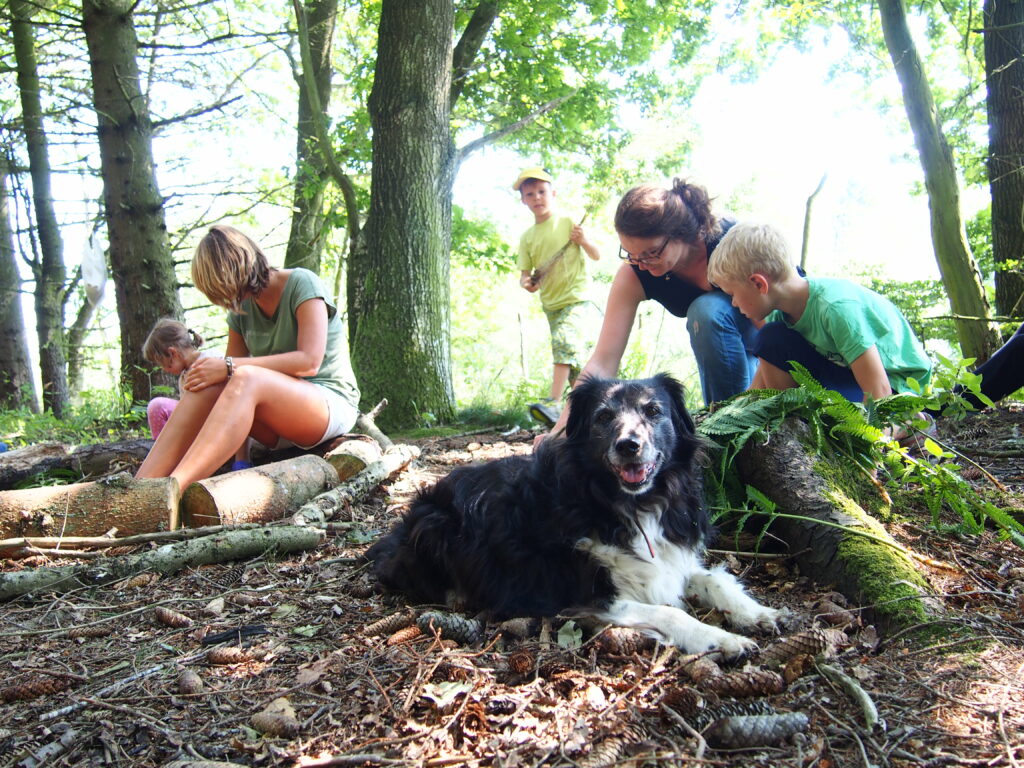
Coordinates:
x,y
828,527
170,558
351,456
257,495
87,460
90,509
327,505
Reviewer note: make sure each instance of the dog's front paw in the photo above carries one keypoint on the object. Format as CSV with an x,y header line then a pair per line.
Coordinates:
x,y
720,643
756,617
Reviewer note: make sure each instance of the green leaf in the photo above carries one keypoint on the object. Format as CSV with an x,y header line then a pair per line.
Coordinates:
x,y
570,637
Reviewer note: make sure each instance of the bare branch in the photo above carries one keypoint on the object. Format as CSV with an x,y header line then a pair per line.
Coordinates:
x,y
469,45
501,133
158,124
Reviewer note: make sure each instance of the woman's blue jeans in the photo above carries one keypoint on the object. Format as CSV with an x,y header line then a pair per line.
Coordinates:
x,y
722,340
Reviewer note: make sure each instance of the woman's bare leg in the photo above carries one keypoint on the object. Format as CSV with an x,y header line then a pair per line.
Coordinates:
x,y
179,432
254,400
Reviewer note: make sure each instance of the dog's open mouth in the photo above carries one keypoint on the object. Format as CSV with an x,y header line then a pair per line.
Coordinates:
x,y
635,475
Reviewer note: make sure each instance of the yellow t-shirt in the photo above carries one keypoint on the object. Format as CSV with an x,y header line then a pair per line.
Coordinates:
x,y
567,280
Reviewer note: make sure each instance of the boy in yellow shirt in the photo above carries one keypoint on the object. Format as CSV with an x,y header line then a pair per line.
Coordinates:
x,y
551,263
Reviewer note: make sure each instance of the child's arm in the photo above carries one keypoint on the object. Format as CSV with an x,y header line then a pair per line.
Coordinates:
x,y
870,374
527,282
579,237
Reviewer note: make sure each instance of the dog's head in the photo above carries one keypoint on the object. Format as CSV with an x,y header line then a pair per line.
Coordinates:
x,y
634,427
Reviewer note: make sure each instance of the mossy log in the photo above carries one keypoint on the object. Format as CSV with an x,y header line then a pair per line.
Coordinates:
x,y
258,495
87,460
170,558
117,502
833,536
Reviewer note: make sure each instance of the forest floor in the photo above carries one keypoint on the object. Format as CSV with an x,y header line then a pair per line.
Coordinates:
x,y
93,678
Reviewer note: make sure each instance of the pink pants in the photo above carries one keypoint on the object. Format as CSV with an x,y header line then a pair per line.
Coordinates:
x,y
158,412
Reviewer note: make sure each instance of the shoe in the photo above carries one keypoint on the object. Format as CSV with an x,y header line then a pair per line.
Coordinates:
x,y
241,465
545,413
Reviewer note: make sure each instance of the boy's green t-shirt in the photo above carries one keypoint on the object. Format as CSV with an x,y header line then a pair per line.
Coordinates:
x,y
567,281
274,335
843,320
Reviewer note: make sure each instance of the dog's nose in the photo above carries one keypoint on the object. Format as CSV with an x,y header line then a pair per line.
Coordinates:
x,y
628,446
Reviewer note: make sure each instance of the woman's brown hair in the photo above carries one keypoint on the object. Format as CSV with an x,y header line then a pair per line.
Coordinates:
x,y
683,212
229,265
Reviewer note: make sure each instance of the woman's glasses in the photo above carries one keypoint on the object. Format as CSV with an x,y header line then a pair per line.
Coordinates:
x,y
643,258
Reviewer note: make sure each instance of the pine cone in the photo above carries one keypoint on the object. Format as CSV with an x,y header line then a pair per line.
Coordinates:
x,y
754,682
700,668
96,630
228,655
744,731
139,580
32,689
811,641
405,635
278,719
171,617
797,667
623,641
683,700
451,626
522,662
731,709
389,624
189,682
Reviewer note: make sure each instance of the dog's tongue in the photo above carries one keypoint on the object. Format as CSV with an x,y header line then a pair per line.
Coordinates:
x,y
634,473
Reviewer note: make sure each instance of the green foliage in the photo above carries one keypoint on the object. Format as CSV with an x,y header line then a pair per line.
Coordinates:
x,y
851,433
478,244
98,417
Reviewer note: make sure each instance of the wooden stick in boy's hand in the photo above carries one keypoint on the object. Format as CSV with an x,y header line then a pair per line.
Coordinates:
x,y
541,272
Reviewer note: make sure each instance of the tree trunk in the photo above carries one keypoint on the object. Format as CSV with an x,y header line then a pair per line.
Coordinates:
x,y
257,495
1004,78
146,287
398,276
90,509
305,241
17,387
49,269
859,559
978,337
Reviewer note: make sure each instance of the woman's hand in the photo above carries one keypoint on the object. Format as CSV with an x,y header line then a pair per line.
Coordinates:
x,y
205,372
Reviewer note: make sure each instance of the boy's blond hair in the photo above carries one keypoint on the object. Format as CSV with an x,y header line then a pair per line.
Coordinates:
x,y
749,248
168,333
227,266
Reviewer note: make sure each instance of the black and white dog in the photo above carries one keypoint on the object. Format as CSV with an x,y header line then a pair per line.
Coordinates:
x,y
608,522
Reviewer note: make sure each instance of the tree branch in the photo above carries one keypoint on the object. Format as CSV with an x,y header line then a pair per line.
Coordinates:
x,y
501,133
158,124
469,45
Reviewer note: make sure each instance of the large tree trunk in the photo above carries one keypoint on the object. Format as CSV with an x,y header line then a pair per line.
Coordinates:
x,y
398,289
49,269
306,239
17,388
140,257
978,337
1004,77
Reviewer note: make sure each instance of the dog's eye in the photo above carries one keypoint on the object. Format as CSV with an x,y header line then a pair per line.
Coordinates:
x,y
652,409
604,416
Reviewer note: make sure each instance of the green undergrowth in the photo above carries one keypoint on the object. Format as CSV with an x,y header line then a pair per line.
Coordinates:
x,y
96,417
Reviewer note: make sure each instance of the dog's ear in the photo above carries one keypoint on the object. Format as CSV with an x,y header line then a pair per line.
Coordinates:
x,y
681,418
581,406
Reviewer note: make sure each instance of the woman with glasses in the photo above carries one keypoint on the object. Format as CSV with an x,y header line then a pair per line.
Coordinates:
x,y
667,236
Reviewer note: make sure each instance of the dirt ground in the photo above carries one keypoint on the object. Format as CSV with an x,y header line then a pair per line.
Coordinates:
x,y
318,671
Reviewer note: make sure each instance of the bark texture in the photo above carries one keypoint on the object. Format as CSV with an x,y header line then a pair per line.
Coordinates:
x,y
398,276
48,270
170,558
90,509
859,558
306,239
17,387
257,495
1004,79
978,337
145,284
